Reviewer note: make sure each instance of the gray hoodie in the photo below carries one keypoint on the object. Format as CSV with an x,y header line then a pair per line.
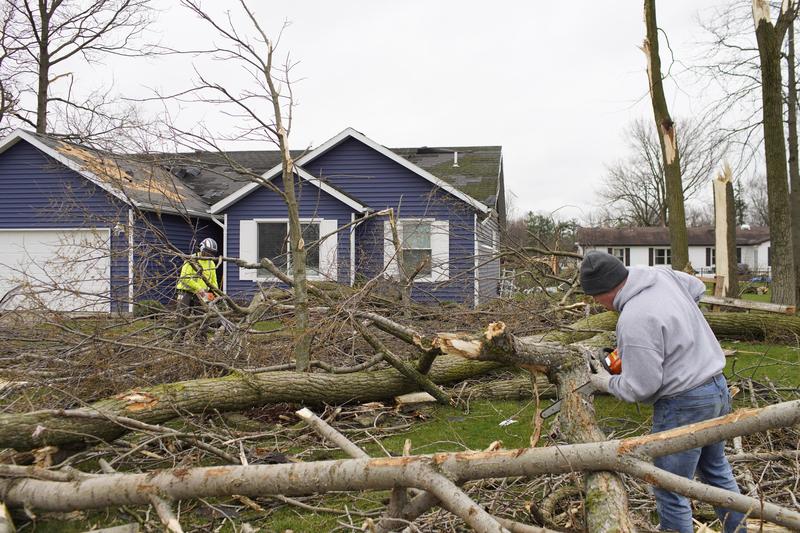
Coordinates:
x,y
665,344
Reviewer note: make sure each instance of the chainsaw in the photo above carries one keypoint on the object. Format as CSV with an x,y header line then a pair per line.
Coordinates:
x,y
610,361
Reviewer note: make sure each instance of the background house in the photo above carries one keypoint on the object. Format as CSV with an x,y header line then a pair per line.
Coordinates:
x,y
650,246
87,230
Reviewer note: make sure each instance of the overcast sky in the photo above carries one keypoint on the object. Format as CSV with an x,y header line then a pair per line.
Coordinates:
x,y
554,83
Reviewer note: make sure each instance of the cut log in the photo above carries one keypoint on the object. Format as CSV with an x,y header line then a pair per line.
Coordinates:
x,y
748,304
749,326
231,393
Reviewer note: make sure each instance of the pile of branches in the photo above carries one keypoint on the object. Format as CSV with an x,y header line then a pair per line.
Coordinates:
x,y
124,416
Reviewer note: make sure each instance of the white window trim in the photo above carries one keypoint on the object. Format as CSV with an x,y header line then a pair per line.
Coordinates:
x,y
400,221
665,248
311,277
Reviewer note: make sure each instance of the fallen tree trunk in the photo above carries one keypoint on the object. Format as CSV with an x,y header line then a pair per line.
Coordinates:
x,y
755,326
98,491
566,367
230,393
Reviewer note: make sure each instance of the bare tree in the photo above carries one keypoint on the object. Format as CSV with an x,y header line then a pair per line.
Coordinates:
x,y
48,34
636,186
258,56
770,40
8,75
668,139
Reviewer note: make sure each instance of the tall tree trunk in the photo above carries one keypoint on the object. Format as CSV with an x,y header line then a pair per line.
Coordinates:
x,y
725,231
44,70
794,165
668,139
769,38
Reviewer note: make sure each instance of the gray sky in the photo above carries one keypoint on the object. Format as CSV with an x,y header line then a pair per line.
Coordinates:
x,y
554,83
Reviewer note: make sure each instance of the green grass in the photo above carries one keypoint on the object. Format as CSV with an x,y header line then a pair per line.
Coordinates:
x,y
267,325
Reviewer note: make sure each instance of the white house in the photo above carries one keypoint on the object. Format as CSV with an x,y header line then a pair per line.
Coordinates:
x,y
650,246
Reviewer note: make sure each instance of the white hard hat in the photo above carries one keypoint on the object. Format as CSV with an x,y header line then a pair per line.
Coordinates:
x,y
208,245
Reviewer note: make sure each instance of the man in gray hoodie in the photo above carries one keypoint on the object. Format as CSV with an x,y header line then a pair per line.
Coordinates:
x,y
671,359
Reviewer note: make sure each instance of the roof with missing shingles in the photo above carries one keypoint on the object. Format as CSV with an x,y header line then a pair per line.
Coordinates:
x,y
197,180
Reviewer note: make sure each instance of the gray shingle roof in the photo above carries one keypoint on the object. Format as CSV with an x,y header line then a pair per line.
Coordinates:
x,y
659,236
199,179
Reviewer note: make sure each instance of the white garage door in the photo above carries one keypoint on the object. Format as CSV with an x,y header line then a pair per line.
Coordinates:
x,y
62,270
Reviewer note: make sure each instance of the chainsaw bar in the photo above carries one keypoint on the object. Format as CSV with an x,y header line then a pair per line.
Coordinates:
x,y
555,407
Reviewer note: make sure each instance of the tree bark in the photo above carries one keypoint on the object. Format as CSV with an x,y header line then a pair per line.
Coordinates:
x,y
92,492
567,368
725,232
794,163
679,242
770,38
231,393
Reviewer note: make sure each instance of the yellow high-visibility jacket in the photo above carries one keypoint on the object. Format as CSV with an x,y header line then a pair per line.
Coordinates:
x,y
191,281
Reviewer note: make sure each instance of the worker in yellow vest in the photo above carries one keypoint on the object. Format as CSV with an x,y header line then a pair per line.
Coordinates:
x,y
194,285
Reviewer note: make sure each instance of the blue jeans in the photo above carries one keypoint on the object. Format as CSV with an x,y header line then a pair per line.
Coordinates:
x,y
708,400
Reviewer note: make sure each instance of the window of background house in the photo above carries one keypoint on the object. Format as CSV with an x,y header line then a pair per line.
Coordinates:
x,y
711,257
662,256
623,254
273,243
416,247
738,255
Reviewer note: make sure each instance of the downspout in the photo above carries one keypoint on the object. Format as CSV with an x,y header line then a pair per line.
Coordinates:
x,y
352,249
475,281
130,261
224,226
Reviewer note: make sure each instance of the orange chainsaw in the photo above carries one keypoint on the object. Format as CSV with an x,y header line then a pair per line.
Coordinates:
x,y
610,361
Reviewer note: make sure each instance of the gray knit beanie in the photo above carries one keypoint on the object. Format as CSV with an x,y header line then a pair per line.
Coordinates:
x,y
601,272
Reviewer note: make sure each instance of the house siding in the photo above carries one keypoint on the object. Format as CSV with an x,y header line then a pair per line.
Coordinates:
x,y
155,265
381,183
488,262
264,203
38,192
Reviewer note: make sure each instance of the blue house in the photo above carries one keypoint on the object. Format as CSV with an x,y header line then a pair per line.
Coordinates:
x,y
449,203
83,230
449,217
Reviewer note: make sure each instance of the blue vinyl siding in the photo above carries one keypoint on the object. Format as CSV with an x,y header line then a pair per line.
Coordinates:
x,y
264,203
38,192
379,182
156,265
488,262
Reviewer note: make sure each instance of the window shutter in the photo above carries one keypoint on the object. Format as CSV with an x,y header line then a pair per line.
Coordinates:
x,y
440,250
609,251
650,256
248,248
389,255
627,257
328,264
708,257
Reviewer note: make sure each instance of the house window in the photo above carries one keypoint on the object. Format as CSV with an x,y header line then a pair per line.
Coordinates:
x,y
738,255
623,254
417,247
273,244
711,257
662,256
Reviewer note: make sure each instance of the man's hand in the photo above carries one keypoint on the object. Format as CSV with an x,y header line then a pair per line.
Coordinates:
x,y
600,380
600,376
